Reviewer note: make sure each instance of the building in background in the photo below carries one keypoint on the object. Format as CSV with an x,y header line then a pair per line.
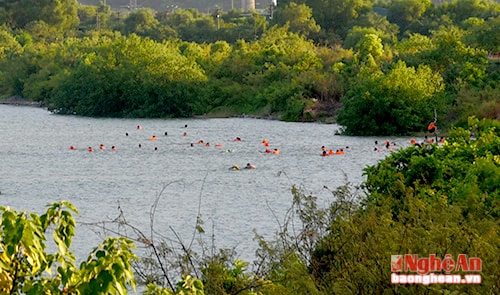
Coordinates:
x,y
248,5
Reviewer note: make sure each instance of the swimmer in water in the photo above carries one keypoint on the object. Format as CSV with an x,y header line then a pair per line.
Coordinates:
x,y
234,167
250,166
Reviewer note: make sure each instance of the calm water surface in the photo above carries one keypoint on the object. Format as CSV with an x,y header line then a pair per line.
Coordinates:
x,y
37,168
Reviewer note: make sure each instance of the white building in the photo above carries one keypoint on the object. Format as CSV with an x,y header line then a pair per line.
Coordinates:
x,y
247,5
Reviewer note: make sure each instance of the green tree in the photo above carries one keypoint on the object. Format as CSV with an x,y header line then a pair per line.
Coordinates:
x,y
60,14
9,45
460,10
299,19
27,268
370,48
373,23
483,34
141,22
336,16
192,26
403,13
456,61
399,102
129,77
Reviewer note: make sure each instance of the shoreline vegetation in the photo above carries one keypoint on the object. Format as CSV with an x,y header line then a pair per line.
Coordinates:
x,y
382,68
19,101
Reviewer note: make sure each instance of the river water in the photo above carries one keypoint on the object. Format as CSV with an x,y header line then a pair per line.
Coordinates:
x,y
37,167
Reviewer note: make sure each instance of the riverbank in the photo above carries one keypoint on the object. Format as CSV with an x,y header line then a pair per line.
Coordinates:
x,y
19,101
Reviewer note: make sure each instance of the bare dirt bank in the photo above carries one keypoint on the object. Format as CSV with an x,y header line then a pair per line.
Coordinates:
x,y
17,100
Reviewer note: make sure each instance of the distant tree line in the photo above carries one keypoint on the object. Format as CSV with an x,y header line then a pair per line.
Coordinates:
x,y
375,67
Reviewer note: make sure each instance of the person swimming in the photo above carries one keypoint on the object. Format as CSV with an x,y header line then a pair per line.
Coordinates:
x,y
250,166
432,127
235,167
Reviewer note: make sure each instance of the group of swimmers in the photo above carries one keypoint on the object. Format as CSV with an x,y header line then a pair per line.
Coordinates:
x,y
270,151
248,166
207,144
388,145
114,148
427,140
91,149
391,145
200,142
331,152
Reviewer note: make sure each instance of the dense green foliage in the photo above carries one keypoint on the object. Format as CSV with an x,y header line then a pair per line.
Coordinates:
x,y
375,67
26,266
430,200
